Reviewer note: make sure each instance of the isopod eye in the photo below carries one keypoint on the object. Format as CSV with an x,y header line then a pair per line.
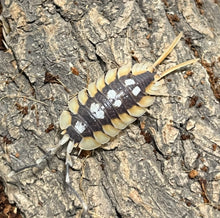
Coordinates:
x,y
65,120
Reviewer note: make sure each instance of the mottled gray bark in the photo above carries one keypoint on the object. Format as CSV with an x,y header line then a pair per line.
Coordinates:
x,y
132,177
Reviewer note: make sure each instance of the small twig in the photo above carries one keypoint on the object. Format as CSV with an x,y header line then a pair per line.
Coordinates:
x,y
63,85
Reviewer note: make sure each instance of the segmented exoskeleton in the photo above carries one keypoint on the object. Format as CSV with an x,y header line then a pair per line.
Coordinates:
x,y
113,102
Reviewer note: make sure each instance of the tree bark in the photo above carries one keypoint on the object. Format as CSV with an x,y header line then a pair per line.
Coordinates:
x,y
164,165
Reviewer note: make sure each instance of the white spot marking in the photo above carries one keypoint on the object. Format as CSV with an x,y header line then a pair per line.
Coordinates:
x,y
114,97
111,94
80,127
129,82
136,91
97,111
117,103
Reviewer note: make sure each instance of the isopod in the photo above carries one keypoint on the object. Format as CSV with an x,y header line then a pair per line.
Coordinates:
x,y
109,105
118,98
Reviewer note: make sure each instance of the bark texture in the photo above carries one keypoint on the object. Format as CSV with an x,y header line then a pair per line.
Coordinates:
x,y
172,170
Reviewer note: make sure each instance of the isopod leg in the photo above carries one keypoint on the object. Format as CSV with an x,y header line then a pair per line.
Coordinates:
x,y
53,151
69,164
46,155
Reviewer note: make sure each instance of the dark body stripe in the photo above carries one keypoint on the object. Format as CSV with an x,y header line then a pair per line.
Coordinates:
x,y
128,100
73,134
141,81
88,130
86,115
110,112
